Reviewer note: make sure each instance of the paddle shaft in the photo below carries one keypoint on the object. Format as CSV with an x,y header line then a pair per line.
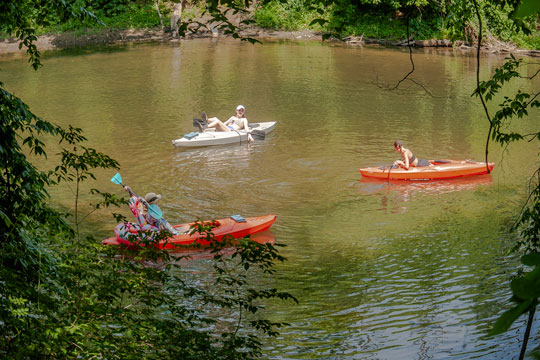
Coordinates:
x,y
155,213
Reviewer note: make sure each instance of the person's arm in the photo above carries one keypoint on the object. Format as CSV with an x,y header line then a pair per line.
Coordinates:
x,y
128,189
246,128
229,120
136,208
404,162
135,205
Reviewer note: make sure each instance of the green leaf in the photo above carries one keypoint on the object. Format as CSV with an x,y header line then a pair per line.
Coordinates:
x,y
527,8
318,21
527,287
504,322
532,259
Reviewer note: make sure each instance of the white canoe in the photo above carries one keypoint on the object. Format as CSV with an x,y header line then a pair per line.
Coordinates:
x,y
212,137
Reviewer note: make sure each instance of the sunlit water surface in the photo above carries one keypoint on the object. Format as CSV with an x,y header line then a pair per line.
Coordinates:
x,y
381,270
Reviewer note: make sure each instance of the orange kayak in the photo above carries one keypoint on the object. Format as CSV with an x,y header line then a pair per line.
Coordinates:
x,y
439,169
228,226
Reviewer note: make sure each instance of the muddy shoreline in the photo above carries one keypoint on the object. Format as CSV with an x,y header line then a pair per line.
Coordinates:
x,y
111,37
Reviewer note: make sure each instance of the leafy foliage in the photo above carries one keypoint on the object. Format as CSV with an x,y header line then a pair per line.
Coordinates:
x,y
145,304
380,19
516,106
525,290
26,219
76,165
289,15
131,16
24,17
524,287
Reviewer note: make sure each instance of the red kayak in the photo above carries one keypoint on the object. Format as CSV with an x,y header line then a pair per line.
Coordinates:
x,y
439,169
228,226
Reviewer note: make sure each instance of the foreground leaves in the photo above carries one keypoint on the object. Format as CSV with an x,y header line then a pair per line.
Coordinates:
x,y
525,290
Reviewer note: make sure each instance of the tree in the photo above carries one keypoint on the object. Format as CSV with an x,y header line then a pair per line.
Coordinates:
x,y
524,287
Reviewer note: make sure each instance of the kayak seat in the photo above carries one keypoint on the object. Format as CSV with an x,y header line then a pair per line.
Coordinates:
x,y
435,162
182,229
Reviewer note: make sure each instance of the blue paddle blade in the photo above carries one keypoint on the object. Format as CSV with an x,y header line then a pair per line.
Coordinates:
x,y
155,211
117,179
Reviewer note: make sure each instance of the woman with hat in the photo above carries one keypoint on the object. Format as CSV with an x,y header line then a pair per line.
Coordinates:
x,y
139,207
153,198
234,123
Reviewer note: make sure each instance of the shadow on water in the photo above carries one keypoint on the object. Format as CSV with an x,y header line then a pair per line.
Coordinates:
x,y
187,254
85,50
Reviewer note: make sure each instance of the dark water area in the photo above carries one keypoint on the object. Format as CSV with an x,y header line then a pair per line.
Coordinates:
x,y
382,270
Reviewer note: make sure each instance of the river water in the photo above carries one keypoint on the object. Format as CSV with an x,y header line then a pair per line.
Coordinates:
x,y
381,270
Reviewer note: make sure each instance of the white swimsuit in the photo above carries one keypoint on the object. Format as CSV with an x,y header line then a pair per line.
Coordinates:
x,y
237,123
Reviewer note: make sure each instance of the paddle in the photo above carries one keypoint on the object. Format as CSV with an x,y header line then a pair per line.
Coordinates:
x,y
154,210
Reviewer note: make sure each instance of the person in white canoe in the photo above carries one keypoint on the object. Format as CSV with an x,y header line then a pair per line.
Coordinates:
x,y
235,122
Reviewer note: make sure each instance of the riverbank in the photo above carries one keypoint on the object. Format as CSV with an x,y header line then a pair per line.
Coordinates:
x,y
111,37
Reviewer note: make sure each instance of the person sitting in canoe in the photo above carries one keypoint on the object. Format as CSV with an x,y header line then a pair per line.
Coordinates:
x,y
407,157
139,208
234,123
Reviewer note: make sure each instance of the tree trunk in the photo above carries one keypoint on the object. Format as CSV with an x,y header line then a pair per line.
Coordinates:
x,y
156,3
176,15
527,333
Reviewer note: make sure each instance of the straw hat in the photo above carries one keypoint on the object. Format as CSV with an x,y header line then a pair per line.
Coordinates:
x,y
152,197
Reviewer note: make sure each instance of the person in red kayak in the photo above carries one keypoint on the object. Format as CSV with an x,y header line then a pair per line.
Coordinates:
x,y
234,123
407,157
139,208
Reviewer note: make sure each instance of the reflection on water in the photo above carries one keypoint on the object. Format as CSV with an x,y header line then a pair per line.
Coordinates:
x,y
217,157
410,270
393,193
190,253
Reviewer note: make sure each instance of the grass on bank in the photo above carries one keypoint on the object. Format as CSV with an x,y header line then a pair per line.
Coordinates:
x,y
348,20
295,15
131,16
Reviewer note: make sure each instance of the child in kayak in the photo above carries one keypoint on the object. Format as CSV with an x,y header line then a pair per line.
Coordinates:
x,y
234,123
407,157
139,208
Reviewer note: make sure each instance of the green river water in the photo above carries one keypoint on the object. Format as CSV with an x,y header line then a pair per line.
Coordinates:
x,y
381,270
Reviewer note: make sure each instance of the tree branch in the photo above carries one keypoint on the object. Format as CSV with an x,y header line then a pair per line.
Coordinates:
x,y
478,91
407,76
